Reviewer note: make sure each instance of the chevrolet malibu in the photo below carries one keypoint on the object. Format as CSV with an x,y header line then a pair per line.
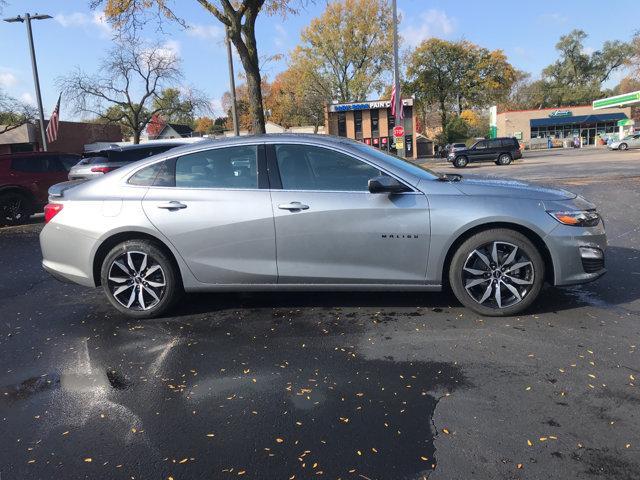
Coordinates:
x,y
289,212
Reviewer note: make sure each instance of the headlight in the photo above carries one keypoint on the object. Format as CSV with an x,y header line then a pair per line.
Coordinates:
x,y
577,218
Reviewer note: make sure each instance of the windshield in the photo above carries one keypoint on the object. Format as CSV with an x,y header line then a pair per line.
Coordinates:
x,y
398,162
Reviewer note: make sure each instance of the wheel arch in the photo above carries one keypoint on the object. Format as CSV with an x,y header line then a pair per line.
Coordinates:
x,y
108,243
534,237
18,189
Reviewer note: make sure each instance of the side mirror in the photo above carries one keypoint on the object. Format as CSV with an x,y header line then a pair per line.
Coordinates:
x,y
384,184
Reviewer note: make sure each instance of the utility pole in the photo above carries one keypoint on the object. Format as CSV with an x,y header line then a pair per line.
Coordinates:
x,y
232,86
34,66
396,75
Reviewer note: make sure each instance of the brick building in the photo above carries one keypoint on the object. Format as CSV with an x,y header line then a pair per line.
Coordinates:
x,y
371,122
72,137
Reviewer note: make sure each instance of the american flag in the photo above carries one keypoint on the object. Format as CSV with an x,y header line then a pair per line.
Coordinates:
x,y
52,127
393,102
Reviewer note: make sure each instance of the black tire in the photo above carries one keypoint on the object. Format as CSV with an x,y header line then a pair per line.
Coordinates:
x,y
15,208
503,159
460,162
466,257
623,146
140,278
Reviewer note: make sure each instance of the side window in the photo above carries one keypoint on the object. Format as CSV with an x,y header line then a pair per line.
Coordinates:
x,y
304,167
29,164
146,176
227,167
54,164
69,161
495,143
481,145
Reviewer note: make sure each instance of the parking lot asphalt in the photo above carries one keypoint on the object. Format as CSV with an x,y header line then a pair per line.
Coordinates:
x,y
332,385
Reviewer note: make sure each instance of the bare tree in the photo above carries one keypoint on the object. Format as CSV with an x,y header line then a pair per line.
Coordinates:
x,y
237,16
14,113
128,87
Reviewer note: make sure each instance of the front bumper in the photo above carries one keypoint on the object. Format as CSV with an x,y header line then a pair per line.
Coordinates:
x,y
575,253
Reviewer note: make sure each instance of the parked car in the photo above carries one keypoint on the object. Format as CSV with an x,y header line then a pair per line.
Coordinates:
x,y
97,163
25,179
502,151
630,141
314,212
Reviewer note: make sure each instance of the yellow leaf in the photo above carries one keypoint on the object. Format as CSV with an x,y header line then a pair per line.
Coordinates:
x,y
445,431
88,460
184,460
359,452
529,443
424,459
519,466
211,434
279,440
242,472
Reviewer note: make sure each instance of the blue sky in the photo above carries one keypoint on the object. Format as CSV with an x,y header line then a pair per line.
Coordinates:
x,y
77,36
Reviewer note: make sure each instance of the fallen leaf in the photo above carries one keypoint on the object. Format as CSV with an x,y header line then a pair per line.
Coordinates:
x,y
88,459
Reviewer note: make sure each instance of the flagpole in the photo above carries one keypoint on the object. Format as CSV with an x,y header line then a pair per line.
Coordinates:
x,y
396,74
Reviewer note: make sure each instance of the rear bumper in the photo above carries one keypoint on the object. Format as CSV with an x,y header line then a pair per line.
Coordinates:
x,y
67,254
572,251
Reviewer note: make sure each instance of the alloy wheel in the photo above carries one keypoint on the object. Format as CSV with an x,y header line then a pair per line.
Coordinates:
x,y
498,274
136,280
13,209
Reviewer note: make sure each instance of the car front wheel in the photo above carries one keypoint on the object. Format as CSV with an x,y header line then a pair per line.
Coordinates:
x,y
139,279
460,162
497,272
623,146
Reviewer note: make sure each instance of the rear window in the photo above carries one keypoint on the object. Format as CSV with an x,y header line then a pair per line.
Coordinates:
x,y
124,156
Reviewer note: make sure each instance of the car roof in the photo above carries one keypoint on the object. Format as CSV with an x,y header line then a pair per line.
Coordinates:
x,y
139,146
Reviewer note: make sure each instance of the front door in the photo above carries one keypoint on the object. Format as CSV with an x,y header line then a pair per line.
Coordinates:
x,y
481,151
330,229
210,207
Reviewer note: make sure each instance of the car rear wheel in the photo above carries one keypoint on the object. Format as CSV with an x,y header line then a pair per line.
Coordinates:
x,y
497,272
460,162
504,159
139,279
623,146
15,208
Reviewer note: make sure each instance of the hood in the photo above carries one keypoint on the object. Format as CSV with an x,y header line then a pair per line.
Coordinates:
x,y
504,187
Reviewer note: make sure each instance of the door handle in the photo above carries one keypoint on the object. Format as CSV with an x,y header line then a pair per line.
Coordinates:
x,y
172,205
293,206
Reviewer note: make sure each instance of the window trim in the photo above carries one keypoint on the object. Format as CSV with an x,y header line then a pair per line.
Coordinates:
x,y
274,171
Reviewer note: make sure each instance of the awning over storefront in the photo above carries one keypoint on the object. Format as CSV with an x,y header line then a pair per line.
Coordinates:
x,y
579,119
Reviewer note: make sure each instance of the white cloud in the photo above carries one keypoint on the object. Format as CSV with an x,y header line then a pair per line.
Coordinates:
x,y
216,108
27,98
553,17
7,79
432,23
280,39
588,50
206,32
91,22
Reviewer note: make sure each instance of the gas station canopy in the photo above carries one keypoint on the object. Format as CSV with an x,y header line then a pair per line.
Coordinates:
x,y
625,100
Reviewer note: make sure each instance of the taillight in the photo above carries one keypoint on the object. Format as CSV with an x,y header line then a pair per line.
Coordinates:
x,y
102,169
51,210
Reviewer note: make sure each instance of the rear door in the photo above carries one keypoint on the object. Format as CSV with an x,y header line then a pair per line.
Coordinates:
x,y
330,229
635,142
211,207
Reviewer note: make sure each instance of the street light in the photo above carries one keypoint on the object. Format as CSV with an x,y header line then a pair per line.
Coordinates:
x,y
27,19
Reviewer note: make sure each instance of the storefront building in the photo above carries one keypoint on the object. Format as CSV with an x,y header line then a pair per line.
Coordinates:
x,y
371,122
568,123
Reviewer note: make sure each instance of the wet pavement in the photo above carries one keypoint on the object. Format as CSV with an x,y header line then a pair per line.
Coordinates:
x,y
330,385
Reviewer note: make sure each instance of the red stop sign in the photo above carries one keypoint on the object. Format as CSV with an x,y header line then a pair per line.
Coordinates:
x,y
398,131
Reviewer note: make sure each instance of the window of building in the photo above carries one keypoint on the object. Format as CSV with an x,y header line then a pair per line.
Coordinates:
x,y
306,167
357,120
230,167
391,120
342,124
375,124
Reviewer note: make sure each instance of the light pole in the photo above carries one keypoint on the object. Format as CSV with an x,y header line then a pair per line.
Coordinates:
x,y
232,86
27,19
396,74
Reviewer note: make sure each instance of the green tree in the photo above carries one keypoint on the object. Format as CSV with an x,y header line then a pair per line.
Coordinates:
x,y
577,76
177,107
346,49
454,76
238,17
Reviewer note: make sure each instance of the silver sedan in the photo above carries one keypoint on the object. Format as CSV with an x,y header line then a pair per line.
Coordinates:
x,y
288,212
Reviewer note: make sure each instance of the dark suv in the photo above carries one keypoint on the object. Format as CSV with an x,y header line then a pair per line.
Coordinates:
x,y
25,179
499,150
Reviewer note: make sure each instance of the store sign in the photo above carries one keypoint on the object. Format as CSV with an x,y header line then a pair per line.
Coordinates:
x,y
400,143
398,131
517,135
561,113
349,107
